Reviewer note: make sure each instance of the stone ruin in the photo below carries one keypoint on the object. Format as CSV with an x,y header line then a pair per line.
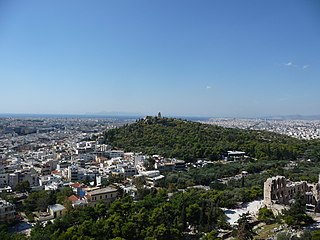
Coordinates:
x,y
279,190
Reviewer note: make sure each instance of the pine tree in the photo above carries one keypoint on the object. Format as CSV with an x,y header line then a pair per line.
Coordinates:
x,y
245,227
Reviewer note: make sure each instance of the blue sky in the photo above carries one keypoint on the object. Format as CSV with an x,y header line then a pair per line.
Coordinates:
x,y
198,58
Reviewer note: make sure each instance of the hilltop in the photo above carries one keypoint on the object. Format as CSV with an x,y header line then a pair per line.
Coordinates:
x,y
189,140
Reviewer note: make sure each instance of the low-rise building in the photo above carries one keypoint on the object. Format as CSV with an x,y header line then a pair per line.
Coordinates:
x,y
152,177
164,167
236,155
56,210
105,195
124,171
19,176
7,211
114,153
170,165
179,165
77,201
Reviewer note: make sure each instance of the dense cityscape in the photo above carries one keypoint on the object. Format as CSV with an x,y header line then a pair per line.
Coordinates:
x,y
71,157
302,129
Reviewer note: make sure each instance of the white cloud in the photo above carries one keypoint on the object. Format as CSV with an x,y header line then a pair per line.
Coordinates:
x,y
208,87
289,64
305,66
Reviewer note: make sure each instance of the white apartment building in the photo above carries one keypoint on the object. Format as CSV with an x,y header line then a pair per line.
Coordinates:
x,y
73,173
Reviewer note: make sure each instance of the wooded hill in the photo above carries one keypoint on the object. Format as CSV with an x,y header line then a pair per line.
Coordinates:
x,y
189,141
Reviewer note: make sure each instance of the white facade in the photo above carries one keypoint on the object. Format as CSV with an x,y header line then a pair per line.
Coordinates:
x,y
72,173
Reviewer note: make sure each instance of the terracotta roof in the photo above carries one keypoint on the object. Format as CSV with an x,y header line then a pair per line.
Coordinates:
x,y
76,185
73,198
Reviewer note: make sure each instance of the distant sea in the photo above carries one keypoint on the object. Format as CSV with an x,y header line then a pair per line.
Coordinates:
x,y
27,115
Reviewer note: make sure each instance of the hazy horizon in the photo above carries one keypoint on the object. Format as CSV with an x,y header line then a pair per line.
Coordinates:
x,y
138,115
183,58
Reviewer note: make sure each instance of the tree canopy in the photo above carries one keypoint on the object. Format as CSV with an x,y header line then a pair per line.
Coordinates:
x,y
188,140
153,217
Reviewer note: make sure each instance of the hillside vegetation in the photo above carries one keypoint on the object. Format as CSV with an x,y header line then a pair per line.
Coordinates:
x,y
191,140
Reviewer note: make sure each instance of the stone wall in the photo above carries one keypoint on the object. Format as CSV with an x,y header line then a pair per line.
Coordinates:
x,y
279,190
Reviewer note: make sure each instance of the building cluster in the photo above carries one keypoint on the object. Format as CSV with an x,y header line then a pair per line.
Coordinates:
x,y
62,153
279,190
7,211
302,129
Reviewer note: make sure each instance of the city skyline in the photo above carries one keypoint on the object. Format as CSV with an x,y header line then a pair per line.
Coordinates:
x,y
183,58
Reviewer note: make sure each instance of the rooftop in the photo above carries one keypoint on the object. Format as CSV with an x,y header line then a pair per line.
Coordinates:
x,y
73,198
103,190
5,203
56,207
76,185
